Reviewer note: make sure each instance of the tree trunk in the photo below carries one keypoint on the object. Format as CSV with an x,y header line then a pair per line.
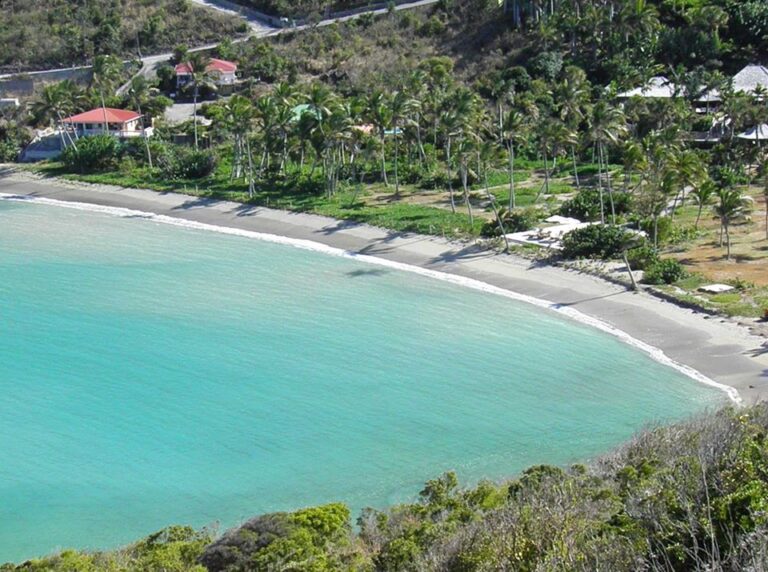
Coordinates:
x,y
511,153
250,168
194,113
146,139
600,190
698,217
629,270
727,242
608,183
464,169
575,168
450,178
499,222
384,160
397,152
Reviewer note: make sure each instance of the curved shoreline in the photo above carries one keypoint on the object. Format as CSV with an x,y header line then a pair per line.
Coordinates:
x,y
711,351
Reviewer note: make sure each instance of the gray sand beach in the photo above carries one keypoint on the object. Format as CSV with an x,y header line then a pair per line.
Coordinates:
x,y
718,348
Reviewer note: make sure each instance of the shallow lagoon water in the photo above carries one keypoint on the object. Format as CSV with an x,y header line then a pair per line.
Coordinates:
x,y
154,375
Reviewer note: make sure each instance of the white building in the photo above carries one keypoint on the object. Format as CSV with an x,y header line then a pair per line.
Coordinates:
x,y
119,122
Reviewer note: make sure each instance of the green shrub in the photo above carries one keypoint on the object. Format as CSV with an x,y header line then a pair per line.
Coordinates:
x,y
516,220
667,271
187,163
94,153
585,205
595,241
642,257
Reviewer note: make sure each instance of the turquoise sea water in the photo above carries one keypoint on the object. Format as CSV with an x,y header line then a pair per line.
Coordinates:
x,y
153,375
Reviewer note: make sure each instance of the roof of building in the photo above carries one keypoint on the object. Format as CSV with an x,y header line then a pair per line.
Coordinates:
x,y
98,115
758,133
657,86
749,78
214,64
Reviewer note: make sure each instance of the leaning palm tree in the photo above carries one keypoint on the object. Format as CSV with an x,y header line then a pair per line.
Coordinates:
x,y
732,206
765,197
53,103
702,196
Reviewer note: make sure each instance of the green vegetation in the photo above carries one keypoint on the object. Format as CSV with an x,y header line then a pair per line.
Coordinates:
x,y
692,496
41,34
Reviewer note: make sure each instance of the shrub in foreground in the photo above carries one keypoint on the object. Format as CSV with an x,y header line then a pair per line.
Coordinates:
x,y
667,271
180,162
595,241
92,153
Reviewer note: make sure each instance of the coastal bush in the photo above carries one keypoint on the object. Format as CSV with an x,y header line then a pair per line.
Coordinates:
x,y
666,271
585,206
179,162
515,220
94,153
595,241
642,257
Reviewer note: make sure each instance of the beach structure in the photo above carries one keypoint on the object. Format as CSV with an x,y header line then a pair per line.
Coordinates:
x,y
755,134
658,87
9,102
121,123
222,72
750,79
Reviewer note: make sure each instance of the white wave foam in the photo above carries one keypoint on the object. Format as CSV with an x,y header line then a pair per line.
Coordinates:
x,y
654,352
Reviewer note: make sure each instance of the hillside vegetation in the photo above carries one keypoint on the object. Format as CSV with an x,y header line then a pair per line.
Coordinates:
x,y
692,496
41,34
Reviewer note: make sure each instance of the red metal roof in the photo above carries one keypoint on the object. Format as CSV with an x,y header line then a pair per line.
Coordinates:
x,y
213,65
97,116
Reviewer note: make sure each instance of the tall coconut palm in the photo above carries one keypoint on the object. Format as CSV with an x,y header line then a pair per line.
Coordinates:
x,y
702,196
238,118
200,77
607,124
54,103
731,206
138,93
514,128
379,114
572,95
488,158
106,73
400,107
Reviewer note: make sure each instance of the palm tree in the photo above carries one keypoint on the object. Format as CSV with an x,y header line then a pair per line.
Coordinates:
x,y
488,158
702,195
765,197
514,128
138,93
380,114
198,71
607,124
400,106
732,205
238,117
573,95
106,72
54,102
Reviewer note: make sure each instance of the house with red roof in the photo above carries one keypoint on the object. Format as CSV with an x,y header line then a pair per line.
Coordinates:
x,y
221,72
119,122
